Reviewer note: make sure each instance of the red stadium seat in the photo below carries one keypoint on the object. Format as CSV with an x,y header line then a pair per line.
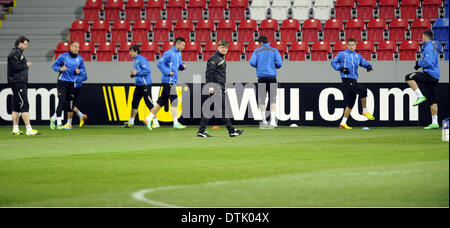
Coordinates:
x,y
235,51
195,9
153,9
148,50
183,28
280,46
343,9
237,9
120,31
133,9
387,8
216,9
98,31
310,30
386,50
354,28
408,50
320,50
86,51
123,54
105,52
408,9
91,9
267,28
332,30
140,31
78,30
252,46
365,49
225,30
112,10
246,29
210,49
298,51
203,30
419,26
62,47
175,9
166,46
397,29
430,8
191,51
338,47
289,29
365,9
375,29
161,31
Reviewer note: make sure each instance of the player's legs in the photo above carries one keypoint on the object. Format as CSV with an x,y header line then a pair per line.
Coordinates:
x,y
174,111
62,99
431,93
137,96
262,93
412,80
273,86
76,104
69,108
362,92
349,99
16,103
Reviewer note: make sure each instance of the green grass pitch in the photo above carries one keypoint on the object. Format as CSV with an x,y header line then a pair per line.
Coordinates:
x,y
109,166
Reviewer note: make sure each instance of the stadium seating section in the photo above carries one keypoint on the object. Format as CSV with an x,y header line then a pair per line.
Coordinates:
x,y
300,29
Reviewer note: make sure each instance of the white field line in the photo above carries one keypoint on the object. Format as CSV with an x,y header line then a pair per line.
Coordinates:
x,y
140,195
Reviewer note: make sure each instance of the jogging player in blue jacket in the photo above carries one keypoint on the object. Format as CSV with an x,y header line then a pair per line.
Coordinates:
x,y
267,60
348,62
170,63
142,79
428,78
72,71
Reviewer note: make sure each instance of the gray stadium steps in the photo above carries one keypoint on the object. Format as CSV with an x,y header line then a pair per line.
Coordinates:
x,y
45,22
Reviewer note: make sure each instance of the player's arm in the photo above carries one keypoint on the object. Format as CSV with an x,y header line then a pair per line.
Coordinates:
x,y
253,59
164,63
335,63
15,62
57,65
182,66
211,67
365,64
427,58
278,60
82,76
143,69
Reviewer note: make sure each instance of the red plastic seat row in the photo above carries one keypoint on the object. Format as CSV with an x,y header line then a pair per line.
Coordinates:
x,y
153,8
297,51
387,8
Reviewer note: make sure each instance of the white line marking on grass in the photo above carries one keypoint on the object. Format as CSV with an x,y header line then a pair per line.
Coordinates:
x,y
140,195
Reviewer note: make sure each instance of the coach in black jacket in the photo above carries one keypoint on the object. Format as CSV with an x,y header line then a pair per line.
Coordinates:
x,y
216,73
18,81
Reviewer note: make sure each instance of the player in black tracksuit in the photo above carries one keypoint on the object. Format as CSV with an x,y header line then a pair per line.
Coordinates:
x,y
18,81
216,73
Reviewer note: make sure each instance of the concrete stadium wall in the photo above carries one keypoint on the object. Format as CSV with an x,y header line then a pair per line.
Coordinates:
x,y
299,72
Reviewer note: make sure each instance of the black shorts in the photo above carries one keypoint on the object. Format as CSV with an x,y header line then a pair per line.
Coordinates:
x,y
351,89
266,83
427,84
20,97
65,95
165,95
142,92
76,96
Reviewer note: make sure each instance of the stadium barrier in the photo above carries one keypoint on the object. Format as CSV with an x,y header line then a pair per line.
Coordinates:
x,y
305,104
